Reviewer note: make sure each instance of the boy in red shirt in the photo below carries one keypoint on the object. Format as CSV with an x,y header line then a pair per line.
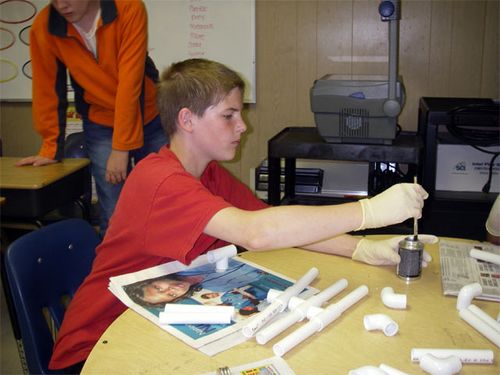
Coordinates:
x,y
179,203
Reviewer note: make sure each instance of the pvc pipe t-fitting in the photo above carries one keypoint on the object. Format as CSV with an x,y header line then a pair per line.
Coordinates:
x,y
221,257
467,294
381,322
393,300
440,366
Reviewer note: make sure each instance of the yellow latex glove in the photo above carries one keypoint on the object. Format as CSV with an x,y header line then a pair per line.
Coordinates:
x,y
385,252
392,206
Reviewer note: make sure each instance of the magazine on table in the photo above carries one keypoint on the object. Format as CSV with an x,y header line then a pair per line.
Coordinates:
x,y
458,268
243,285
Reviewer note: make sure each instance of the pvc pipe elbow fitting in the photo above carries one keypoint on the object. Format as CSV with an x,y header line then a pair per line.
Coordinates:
x,y
393,300
467,294
440,366
380,322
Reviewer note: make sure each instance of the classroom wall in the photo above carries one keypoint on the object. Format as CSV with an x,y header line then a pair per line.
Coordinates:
x,y
447,48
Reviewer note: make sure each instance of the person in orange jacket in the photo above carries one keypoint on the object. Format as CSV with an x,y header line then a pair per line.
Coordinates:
x,y
103,47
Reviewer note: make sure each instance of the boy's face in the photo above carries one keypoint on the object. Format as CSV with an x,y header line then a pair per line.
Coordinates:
x,y
72,10
218,132
164,291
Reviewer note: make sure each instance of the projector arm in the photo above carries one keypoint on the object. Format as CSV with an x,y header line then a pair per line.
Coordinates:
x,y
390,11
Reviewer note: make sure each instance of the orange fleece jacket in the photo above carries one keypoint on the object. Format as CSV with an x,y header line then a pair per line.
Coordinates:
x,y
116,89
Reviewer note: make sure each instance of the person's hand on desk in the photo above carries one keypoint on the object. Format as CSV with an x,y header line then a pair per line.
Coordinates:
x,y
36,161
385,252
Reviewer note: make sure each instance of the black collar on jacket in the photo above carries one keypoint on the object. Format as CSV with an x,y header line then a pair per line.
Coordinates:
x,y
58,26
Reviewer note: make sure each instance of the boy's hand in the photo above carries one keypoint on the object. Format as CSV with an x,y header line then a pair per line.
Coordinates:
x,y
117,167
385,252
36,161
392,206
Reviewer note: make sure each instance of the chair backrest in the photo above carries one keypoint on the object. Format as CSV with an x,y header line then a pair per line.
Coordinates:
x,y
43,268
74,146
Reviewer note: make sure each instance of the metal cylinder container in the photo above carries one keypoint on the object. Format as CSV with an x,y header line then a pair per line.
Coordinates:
x,y
411,252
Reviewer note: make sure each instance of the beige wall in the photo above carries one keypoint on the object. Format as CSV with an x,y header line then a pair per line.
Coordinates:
x,y
447,48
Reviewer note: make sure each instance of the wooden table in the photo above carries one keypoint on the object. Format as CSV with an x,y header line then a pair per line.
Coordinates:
x,y
31,192
133,345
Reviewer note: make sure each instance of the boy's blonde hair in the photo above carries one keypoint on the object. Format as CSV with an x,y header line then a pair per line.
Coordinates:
x,y
196,84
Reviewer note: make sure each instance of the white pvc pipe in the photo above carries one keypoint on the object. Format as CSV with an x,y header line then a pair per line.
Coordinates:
x,y
298,287
391,370
279,304
393,300
467,294
221,257
380,322
468,356
482,327
485,255
200,309
368,370
196,314
319,321
440,366
299,308
485,317
272,294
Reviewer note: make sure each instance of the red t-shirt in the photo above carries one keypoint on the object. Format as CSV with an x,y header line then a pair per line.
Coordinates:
x,y
159,217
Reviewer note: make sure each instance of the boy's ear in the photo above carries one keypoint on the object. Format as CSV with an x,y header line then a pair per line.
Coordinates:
x,y
184,119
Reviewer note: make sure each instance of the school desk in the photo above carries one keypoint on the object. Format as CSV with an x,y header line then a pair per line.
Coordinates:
x,y
134,345
31,192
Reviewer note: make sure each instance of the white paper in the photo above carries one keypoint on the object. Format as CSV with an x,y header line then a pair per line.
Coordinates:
x,y
459,269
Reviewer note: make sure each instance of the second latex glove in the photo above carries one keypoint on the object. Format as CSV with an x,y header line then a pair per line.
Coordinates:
x,y
385,252
392,206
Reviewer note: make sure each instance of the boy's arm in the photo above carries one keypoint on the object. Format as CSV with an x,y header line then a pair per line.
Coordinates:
x,y
128,122
48,94
284,226
316,227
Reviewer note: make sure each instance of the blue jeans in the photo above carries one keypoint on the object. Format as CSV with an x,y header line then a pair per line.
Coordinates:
x,y
98,142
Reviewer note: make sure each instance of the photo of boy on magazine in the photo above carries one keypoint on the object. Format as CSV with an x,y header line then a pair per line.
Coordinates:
x,y
242,285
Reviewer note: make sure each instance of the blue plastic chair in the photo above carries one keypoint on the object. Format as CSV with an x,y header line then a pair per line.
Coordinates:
x,y
44,269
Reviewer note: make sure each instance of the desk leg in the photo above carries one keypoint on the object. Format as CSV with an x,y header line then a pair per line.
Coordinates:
x,y
273,187
290,178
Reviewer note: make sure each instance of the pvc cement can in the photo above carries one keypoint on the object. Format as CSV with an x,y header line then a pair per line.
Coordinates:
x,y
411,251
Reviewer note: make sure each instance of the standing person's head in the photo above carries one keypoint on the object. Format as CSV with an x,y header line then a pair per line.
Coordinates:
x,y
159,291
195,84
74,11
